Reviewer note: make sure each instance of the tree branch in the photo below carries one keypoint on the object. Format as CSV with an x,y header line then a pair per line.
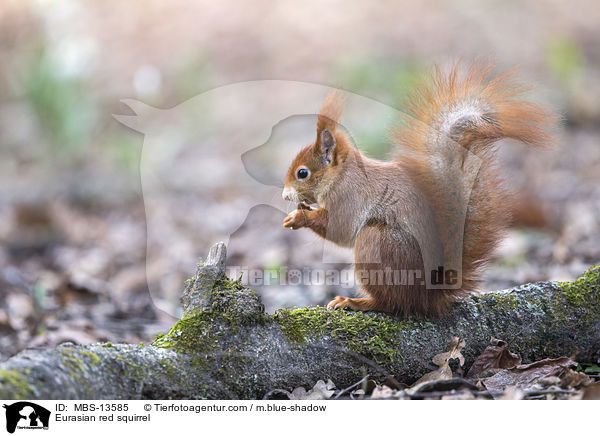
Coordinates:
x,y
225,346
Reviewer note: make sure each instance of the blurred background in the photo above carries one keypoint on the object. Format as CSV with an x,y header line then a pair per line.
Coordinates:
x,y
73,229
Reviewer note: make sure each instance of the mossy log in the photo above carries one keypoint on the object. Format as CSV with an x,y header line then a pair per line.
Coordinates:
x,y
225,346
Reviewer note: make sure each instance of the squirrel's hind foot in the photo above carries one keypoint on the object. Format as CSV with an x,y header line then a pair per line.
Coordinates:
x,y
340,302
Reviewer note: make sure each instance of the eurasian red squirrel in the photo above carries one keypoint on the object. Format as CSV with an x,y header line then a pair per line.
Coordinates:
x,y
437,208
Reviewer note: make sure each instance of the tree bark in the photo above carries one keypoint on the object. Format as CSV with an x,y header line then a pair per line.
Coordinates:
x,y
226,347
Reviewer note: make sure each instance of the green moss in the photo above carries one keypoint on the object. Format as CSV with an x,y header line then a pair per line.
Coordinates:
x,y
585,290
507,302
108,345
220,283
170,370
227,306
14,385
582,294
232,285
218,293
199,362
372,336
241,303
200,334
197,332
72,362
76,366
123,365
94,359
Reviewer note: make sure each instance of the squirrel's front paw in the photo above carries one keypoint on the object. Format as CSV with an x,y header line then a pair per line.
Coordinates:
x,y
295,219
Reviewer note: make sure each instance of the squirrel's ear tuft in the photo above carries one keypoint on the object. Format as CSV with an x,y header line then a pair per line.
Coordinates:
x,y
330,113
327,146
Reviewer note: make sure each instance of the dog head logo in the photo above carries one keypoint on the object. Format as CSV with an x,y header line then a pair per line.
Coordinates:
x,y
229,150
26,415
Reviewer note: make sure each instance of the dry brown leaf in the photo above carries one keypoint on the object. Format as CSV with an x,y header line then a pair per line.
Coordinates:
x,y
494,358
536,374
383,392
454,352
320,391
574,379
444,372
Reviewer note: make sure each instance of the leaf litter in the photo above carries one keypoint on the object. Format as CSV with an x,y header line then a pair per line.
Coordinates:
x,y
497,373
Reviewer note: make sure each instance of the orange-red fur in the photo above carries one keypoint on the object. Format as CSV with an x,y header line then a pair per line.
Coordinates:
x,y
438,203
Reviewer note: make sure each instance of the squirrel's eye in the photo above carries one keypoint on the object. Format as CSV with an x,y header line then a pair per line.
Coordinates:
x,y
302,173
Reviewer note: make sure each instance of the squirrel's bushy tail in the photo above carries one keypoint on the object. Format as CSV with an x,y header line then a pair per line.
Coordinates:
x,y
446,146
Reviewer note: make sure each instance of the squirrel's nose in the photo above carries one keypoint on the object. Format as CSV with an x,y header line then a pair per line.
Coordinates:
x,y
287,194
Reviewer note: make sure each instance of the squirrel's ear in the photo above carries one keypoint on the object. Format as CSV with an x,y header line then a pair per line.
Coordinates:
x,y
331,112
327,122
327,146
